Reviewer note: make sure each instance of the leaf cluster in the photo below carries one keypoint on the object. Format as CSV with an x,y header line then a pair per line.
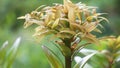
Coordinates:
x,y
67,20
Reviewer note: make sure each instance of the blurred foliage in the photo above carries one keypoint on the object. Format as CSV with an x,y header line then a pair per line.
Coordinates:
x,y
30,54
7,56
108,53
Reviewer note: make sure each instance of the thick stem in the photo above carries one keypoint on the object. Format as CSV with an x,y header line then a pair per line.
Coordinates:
x,y
68,62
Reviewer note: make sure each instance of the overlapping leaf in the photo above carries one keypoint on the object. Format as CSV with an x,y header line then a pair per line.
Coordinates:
x,y
75,17
84,61
53,58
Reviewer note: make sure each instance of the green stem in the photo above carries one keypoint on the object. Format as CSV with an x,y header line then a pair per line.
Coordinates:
x,y
68,62
110,64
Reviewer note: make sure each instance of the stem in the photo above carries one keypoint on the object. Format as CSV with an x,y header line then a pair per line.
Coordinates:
x,y
110,64
68,62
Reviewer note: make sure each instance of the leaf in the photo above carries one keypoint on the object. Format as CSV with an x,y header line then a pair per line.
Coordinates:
x,y
87,51
90,18
77,49
84,61
117,47
58,13
3,52
4,46
97,30
67,31
90,26
75,26
64,49
78,59
63,35
12,53
79,16
71,15
53,58
103,18
39,7
67,4
48,18
91,39
55,23
64,22
118,40
27,18
43,34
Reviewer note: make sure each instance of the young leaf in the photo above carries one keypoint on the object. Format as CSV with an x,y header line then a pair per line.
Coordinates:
x,y
55,23
67,31
91,38
84,61
71,15
53,58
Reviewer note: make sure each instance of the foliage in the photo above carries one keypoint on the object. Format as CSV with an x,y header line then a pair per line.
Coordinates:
x,y
107,53
70,23
7,56
79,21
112,50
30,55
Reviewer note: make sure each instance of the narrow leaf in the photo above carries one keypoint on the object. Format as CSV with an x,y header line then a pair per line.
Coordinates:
x,y
103,18
67,31
87,51
97,30
64,49
91,39
71,15
4,45
12,53
55,23
53,58
3,52
77,49
84,61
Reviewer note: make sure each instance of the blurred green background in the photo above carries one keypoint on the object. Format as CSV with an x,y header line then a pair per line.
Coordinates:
x,y
30,54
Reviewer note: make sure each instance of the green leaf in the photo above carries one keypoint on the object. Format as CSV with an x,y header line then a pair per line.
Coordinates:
x,y
10,56
3,52
53,58
64,49
77,49
84,61
4,45
103,18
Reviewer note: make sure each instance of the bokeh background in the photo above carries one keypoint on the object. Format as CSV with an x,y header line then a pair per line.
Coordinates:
x,y
30,54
